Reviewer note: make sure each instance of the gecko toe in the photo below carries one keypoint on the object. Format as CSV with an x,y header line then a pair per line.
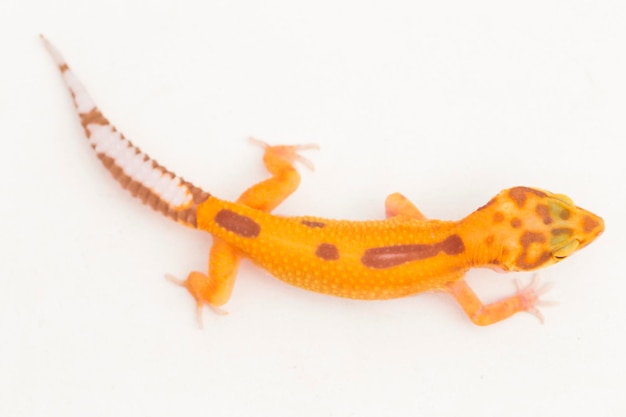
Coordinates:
x,y
529,296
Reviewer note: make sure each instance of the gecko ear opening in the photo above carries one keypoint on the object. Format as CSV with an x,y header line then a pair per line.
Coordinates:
x,y
566,250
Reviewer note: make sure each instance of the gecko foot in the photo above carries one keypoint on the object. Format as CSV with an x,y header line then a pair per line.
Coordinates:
x,y
199,304
288,152
529,297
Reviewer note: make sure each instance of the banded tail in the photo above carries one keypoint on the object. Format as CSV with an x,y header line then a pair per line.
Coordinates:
x,y
136,172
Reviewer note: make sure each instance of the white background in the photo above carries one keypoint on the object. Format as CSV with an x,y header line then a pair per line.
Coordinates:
x,y
447,101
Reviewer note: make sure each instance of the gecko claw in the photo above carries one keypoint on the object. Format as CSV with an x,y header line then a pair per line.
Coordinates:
x,y
258,142
199,304
176,281
535,312
288,152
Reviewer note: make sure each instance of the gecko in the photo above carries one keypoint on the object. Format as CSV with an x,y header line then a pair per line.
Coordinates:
x,y
520,229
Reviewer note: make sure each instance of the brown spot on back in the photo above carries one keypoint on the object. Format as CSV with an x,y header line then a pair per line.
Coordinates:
x,y
516,223
390,256
238,224
312,224
498,217
452,245
489,240
564,214
543,211
589,224
518,194
327,252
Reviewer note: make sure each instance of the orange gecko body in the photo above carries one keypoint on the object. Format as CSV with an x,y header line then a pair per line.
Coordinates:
x,y
520,229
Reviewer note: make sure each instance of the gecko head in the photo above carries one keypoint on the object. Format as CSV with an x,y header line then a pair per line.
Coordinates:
x,y
534,228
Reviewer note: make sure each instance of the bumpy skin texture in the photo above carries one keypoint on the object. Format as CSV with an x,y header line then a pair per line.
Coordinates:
x,y
403,255
520,229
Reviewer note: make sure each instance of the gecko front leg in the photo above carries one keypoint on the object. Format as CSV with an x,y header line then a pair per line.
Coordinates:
x,y
397,204
526,299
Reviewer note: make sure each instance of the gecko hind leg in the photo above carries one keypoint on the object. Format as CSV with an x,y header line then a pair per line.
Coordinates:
x,y
279,161
526,299
215,288
397,204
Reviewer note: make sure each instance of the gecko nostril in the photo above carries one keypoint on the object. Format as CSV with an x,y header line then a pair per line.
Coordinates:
x,y
589,223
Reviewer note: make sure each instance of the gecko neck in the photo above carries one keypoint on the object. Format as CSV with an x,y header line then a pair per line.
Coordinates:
x,y
485,242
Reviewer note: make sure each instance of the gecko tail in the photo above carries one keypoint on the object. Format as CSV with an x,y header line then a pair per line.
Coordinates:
x,y
136,172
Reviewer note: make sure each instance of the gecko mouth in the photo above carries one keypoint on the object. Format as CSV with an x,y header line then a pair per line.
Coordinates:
x,y
566,250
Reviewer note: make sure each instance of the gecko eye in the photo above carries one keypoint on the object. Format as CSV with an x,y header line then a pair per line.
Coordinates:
x,y
564,199
566,250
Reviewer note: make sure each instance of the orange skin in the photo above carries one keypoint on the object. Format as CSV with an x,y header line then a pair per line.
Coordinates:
x,y
521,229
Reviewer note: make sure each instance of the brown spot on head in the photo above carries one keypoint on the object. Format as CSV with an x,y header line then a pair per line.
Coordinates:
x,y
312,224
516,223
543,211
240,225
519,194
526,240
526,265
562,231
589,224
327,252
498,217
